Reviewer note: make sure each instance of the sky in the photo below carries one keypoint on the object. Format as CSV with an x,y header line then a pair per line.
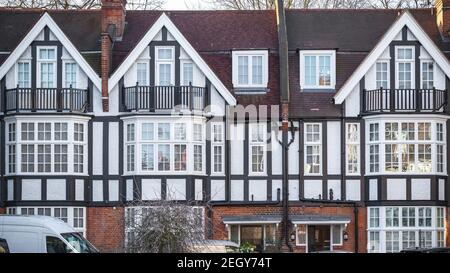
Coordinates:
x,y
184,4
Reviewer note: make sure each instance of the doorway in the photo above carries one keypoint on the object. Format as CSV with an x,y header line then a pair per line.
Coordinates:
x,y
319,238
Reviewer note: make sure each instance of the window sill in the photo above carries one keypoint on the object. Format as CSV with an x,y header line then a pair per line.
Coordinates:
x,y
318,90
251,90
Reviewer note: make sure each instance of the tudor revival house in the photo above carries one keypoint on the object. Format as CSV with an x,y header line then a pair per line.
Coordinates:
x,y
107,107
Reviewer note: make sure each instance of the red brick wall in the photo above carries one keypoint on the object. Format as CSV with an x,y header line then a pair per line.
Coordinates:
x,y
105,228
2,210
220,232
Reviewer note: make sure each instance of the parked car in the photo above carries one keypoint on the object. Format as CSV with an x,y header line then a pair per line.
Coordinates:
x,y
42,234
427,250
216,246
3,246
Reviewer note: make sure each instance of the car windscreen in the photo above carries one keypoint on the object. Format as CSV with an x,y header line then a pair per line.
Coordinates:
x,y
77,241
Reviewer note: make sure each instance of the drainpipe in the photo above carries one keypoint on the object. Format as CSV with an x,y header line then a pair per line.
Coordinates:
x,y
284,90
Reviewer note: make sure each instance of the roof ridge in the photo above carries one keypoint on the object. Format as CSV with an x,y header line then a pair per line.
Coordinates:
x,y
39,10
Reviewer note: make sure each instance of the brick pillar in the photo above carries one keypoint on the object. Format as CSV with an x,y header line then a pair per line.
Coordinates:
x,y
106,228
443,16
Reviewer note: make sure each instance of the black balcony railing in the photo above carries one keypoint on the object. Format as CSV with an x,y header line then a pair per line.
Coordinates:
x,y
153,98
46,99
403,100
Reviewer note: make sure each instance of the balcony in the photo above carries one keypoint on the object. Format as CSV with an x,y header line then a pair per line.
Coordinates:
x,y
403,101
46,99
153,98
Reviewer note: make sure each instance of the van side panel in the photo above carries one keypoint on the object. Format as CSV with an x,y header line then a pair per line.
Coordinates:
x,y
23,239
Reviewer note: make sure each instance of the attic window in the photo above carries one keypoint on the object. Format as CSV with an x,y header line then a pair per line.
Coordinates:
x,y
250,69
317,69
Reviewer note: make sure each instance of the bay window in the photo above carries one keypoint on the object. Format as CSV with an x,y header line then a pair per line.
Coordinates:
x,y
250,69
258,147
73,216
353,148
317,69
406,147
43,146
405,228
313,148
163,146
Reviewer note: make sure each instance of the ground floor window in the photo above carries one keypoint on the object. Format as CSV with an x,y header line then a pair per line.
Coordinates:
x,y
400,228
260,236
74,216
319,237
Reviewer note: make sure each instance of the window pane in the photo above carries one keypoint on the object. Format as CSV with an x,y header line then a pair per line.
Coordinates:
x,y
188,74
180,157
147,157
142,73
164,131
165,74
324,70
243,69
310,70
147,131
257,69
164,157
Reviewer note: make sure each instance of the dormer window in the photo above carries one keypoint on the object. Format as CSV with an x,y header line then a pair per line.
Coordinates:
x,y
23,74
318,69
250,69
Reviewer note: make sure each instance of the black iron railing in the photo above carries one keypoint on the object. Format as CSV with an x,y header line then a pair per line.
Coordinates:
x,y
46,99
403,100
153,98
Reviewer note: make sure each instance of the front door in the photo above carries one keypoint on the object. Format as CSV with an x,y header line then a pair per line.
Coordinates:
x,y
254,236
318,238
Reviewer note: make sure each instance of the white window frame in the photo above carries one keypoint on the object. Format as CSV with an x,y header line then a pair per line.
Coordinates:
x,y
388,78
138,142
159,61
422,62
182,79
382,228
356,143
70,214
70,142
412,62
317,53
382,142
29,73
263,144
38,65
217,143
307,143
147,71
265,68
77,70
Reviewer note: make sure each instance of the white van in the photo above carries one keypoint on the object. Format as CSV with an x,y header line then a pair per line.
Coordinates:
x,y
41,234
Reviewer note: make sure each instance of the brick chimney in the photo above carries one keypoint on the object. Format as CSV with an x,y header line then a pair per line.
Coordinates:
x,y
443,17
113,24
